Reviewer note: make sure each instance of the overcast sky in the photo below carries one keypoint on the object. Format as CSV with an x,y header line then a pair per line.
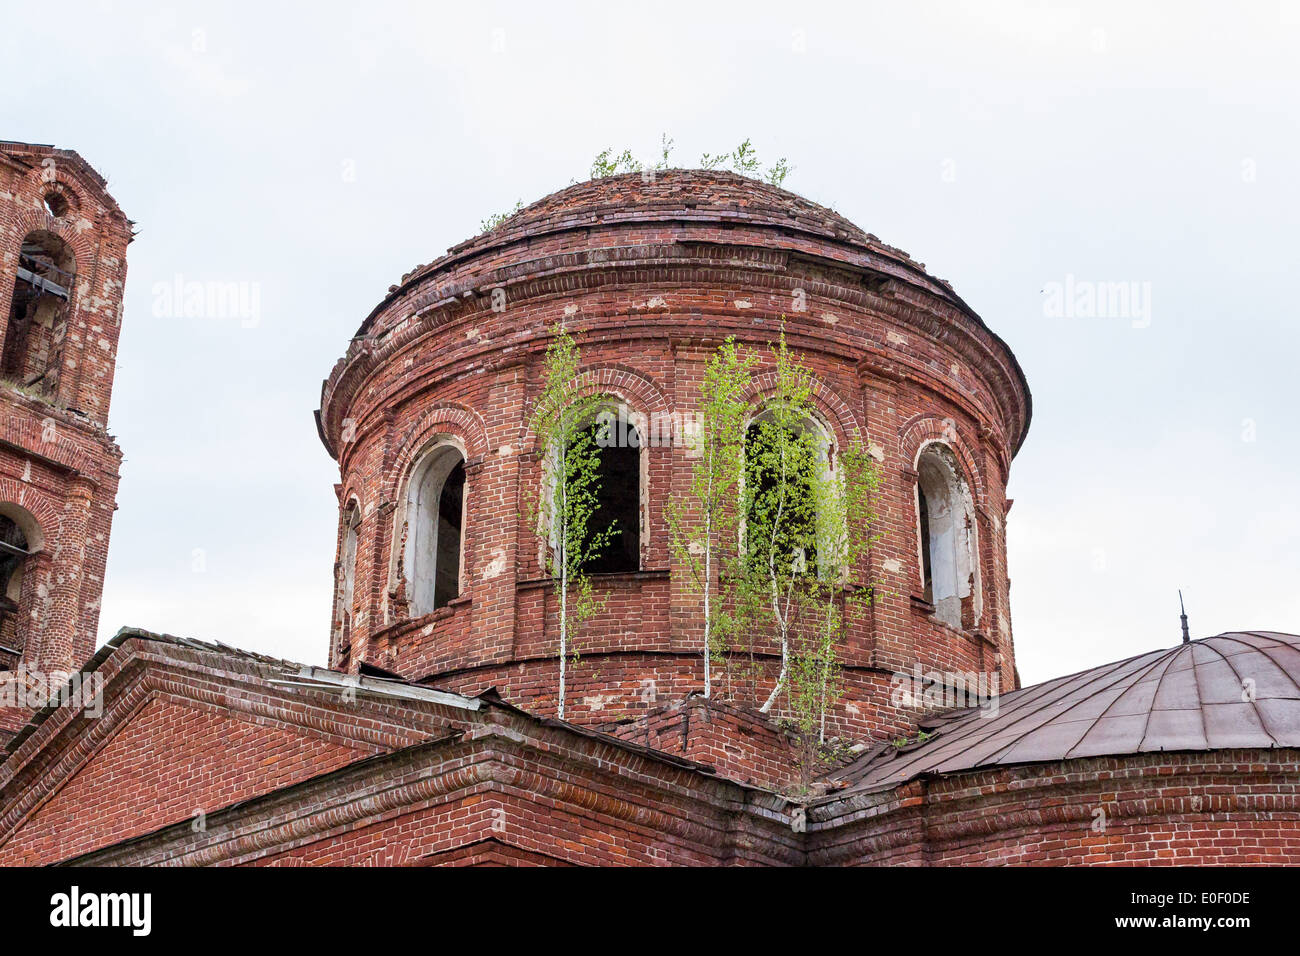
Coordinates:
x,y
1025,152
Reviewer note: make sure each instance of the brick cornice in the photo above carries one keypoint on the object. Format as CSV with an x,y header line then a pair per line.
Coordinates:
x,y
517,759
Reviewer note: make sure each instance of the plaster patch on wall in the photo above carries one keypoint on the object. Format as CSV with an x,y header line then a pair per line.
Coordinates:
x,y
893,566
895,339
743,304
497,566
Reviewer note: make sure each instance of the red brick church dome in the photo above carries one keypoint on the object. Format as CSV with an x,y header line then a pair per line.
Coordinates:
x,y
650,272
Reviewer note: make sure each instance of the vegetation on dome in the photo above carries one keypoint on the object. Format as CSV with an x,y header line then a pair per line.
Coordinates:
x,y
743,160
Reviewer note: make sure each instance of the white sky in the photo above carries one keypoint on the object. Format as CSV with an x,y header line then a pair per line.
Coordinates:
x,y
322,153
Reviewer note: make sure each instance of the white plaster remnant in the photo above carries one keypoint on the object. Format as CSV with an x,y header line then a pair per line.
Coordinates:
x,y
497,566
657,302
894,338
570,309
649,692
893,565
830,318
953,546
598,701
505,451
743,304
876,452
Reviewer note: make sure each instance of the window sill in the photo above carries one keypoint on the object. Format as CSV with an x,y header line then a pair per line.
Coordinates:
x,y
615,578
448,610
922,607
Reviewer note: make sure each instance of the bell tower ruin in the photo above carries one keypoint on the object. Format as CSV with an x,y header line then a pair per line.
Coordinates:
x,y
63,246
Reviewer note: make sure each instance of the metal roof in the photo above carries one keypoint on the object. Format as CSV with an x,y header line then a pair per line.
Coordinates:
x,y
1234,690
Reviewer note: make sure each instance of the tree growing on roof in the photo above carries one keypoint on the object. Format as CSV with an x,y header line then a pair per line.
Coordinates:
x,y
564,422
808,520
704,524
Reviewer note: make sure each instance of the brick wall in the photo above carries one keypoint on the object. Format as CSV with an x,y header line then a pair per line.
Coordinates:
x,y
172,762
1214,808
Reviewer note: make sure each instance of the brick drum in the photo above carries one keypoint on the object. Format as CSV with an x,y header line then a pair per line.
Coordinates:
x,y
650,276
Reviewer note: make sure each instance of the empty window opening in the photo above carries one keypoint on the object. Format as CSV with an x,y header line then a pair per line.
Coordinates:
x,y
349,571
435,522
451,505
947,531
56,204
13,558
782,515
34,335
927,575
618,500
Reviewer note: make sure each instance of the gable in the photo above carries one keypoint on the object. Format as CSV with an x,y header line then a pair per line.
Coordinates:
x,y
170,761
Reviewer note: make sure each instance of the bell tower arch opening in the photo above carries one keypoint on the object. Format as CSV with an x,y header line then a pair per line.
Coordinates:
x,y
31,356
20,540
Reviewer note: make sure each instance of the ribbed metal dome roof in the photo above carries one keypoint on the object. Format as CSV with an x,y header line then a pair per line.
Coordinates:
x,y
1235,690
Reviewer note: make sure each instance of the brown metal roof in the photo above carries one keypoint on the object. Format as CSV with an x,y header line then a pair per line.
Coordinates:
x,y
1235,690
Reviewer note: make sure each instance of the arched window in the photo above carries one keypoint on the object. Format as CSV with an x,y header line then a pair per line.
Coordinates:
x,y
618,497
947,533
786,523
348,570
33,344
435,521
14,552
